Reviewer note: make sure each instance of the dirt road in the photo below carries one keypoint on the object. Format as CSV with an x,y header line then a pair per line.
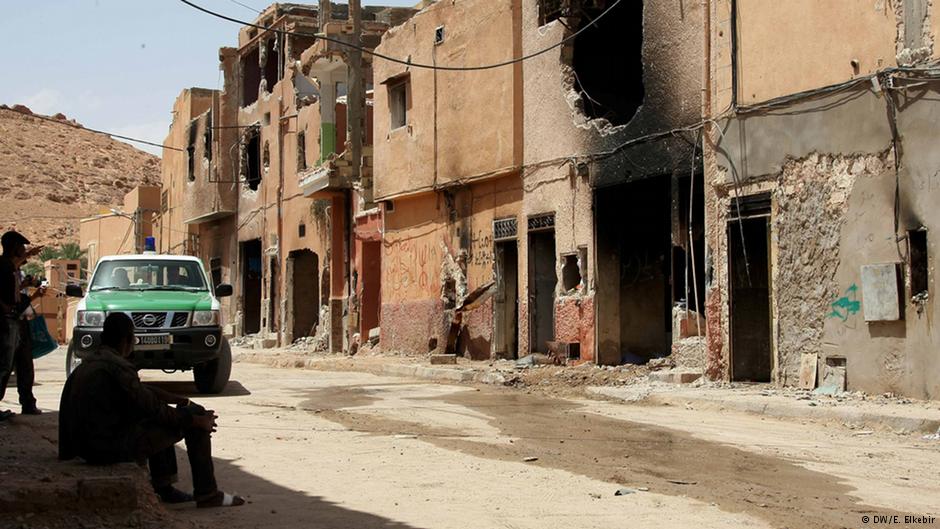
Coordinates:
x,y
334,449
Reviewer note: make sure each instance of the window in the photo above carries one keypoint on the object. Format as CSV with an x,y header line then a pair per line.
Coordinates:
x,y
251,77
191,150
251,160
207,138
215,267
164,201
302,231
398,104
301,151
917,246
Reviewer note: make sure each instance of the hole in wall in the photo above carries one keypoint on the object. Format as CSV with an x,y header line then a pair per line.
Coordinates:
x,y
251,160
610,84
570,272
919,270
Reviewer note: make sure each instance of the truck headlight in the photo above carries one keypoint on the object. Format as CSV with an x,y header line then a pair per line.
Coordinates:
x,y
90,318
205,318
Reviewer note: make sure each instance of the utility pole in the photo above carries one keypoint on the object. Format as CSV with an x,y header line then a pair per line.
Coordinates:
x,y
356,100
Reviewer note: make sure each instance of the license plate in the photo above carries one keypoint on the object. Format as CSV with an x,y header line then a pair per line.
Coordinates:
x,y
153,339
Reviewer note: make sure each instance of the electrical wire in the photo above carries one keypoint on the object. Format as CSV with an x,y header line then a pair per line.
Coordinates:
x,y
246,6
402,61
96,131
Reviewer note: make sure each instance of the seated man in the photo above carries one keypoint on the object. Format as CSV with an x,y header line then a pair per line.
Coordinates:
x,y
119,278
107,416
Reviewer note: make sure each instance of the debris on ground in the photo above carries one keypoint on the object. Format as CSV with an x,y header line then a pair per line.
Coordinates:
x,y
624,492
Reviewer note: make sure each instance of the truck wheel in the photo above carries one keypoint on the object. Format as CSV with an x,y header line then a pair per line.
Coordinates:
x,y
212,376
72,360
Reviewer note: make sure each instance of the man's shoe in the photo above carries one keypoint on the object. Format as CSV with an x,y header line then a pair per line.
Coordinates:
x,y
31,410
6,414
171,494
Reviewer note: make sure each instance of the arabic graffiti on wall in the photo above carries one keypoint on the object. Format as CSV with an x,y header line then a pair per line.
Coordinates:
x,y
847,305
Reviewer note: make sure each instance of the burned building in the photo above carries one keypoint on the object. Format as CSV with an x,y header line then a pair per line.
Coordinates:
x,y
820,185
531,176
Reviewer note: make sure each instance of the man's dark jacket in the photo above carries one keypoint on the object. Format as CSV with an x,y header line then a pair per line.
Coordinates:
x,y
105,409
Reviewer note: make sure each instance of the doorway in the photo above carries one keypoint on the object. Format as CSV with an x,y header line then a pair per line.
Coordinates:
x,y
634,271
272,315
749,286
303,310
371,296
251,286
542,281
506,306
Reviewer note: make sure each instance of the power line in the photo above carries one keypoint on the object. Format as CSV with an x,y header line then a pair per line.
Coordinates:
x,y
408,62
96,131
246,6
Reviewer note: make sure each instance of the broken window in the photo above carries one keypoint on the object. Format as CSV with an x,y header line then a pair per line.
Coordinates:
x,y
191,151
251,170
207,138
251,77
550,10
917,247
301,151
270,63
570,272
266,156
611,84
398,104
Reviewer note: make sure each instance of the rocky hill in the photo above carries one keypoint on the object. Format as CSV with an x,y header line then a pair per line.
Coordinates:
x,y
52,174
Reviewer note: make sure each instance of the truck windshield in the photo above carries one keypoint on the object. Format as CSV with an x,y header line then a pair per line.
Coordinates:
x,y
148,275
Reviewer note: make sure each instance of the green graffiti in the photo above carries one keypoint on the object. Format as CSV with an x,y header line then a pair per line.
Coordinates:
x,y
847,305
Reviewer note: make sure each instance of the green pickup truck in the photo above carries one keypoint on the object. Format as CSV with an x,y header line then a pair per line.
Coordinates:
x,y
176,315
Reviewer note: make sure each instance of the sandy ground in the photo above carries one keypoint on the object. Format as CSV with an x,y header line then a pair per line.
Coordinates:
x,y
339,449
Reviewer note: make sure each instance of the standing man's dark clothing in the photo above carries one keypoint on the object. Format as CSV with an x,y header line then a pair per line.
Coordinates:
x,y
24,369
9,321
107,415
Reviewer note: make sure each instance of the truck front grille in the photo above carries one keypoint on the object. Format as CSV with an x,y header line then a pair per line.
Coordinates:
x,y
148,320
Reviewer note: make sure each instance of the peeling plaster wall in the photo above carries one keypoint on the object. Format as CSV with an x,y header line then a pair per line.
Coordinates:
x,y
433,238
833,194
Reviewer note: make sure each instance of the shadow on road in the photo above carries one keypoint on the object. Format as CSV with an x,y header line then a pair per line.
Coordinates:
x,y
188,389
273,505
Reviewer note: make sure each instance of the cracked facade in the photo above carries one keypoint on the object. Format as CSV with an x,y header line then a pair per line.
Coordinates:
x,y
806,197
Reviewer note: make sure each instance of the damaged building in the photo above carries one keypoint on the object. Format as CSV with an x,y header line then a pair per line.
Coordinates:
x,y
820,185
515,183
276,171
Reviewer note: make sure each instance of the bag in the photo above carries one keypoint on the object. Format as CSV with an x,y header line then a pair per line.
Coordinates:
x,y
43,342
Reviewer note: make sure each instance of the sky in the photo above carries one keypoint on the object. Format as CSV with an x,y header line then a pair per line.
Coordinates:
x,y
116,65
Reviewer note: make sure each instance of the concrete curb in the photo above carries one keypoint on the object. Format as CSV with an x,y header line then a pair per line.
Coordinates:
x,y
434,374
799,410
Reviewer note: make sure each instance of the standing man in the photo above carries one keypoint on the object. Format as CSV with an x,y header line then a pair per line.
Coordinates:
x,y
14,253
23,357
108,416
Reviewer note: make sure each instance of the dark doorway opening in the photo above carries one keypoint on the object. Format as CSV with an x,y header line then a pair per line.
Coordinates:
x,y
688,257
611,84
303,269
371,298
251,286
542,281
251,77
273,287
749,285
506,306
251,159
634,256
